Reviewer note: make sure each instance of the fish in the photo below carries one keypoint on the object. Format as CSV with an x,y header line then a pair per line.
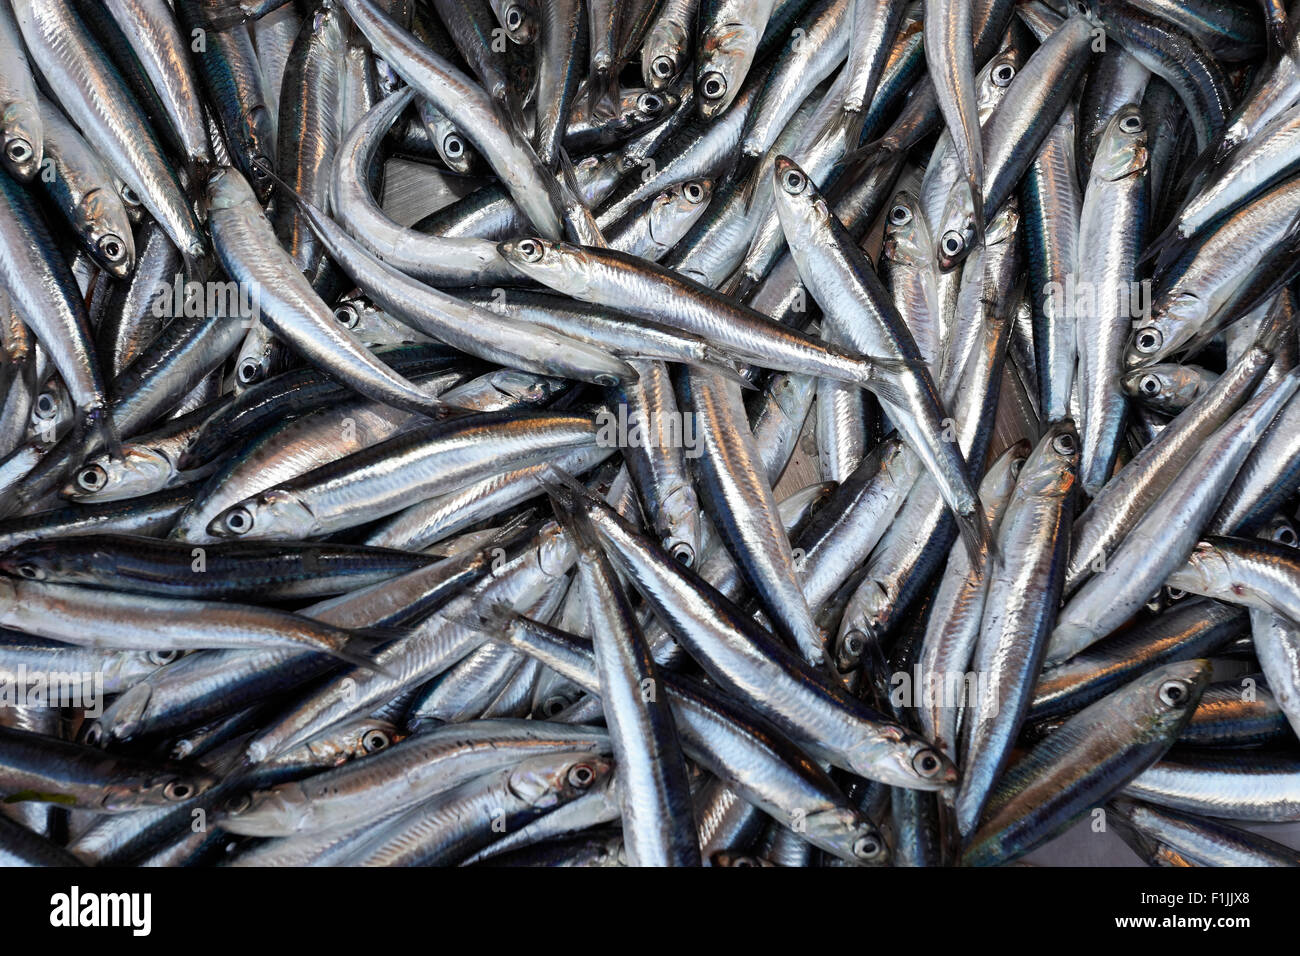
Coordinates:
x,y
654,433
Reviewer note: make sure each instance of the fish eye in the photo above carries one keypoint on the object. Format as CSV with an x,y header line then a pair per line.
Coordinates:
x,y
1150,385
1131,123
867,847
794,182
112,247
1003,74
684,554
1082,7
514,19
92,478
1175,594
554,705
1063,444
128,196
953,243
854,644
1174,693
47,406
663,67
926,763
19,151
161,658
31,572
530,250
713,86
375,741
250,371
900,215
347,316
581,776
94,735
650,103
238,804
1148,341
239,521
178,790
694,193
453,146
1016,465
1285,535
606,380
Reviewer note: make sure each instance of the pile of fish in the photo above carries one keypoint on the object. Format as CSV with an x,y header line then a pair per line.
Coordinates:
x,y
648,432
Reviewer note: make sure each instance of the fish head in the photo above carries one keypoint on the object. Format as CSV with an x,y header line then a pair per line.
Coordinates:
x,y
907,238
992,83
228,189
278,513
281,810
1052,467
105,228
558,265
360,738
520,22
675,210
664,54
850,647
36,560
1000,480
1166,387
803,212
900,758
848,834
122,720
548,781
956,234
24,141
167,787
139,471
51,408
1281,531
1207,571
726,51
1122,150
1175,319
638,109
1166,697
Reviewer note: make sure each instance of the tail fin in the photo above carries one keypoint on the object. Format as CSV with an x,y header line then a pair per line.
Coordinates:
x,y
1167,239
569,513
221,15
976,535
738,284
490,617
880,377
753,181
98,430
363,645
722,366
976,186
738,174
602,93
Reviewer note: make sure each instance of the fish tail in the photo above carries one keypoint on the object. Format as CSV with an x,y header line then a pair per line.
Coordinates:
x,y
100,431
880,377
602,93
222,15
720,365
975,534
